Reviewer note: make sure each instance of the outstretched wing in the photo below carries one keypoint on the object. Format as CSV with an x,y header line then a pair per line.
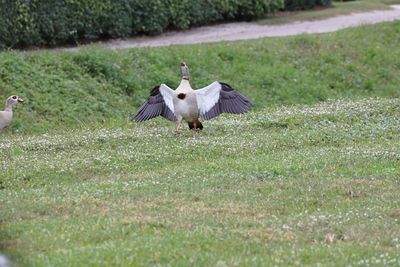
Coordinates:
x,y
159,103
218,98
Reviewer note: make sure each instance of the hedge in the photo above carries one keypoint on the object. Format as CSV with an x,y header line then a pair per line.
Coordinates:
x,y
54,22
305,4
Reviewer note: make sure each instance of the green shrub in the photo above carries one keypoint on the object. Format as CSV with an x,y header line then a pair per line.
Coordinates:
x,y
51,22
305,4
17,23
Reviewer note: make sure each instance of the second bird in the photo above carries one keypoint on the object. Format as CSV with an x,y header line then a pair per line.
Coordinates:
x,y
7,115
191,105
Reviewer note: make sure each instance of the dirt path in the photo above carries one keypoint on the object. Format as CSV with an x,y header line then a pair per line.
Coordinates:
x,y
246,30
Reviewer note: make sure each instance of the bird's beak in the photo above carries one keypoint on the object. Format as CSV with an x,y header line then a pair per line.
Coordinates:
x,y
20,100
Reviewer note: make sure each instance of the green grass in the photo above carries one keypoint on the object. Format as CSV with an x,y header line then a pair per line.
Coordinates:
x,y
309,177
261,189
68,90
336,9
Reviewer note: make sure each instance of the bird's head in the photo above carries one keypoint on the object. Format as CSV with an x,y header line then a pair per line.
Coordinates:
x,y
185,71
14,99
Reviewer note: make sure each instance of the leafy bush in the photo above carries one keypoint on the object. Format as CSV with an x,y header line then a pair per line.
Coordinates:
x,y
305,4
51,22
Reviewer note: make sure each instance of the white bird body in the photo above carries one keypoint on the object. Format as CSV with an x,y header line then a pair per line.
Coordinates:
x,y
7,115
190,105
185,108
5,118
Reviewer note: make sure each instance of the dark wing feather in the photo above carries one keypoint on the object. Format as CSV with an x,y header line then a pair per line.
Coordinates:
x,y
230,101
153,107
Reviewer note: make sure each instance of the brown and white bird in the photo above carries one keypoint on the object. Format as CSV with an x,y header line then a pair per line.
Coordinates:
x,y
7,114
191,105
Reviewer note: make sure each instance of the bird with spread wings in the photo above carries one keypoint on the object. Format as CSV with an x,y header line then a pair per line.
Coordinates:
x,y
193,106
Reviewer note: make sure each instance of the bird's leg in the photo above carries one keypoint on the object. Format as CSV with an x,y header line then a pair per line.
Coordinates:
x,y
180,125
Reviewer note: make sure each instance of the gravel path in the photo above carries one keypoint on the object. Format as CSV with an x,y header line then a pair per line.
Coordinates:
x,y
247,30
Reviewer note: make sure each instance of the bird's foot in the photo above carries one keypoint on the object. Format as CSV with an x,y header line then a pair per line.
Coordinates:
x,y
179,127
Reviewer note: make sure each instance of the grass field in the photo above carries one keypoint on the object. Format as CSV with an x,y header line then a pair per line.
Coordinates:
x,y
66,90
309,177
336,9
294,185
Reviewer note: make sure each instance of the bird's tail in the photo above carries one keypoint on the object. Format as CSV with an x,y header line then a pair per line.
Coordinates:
x,y
194,125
